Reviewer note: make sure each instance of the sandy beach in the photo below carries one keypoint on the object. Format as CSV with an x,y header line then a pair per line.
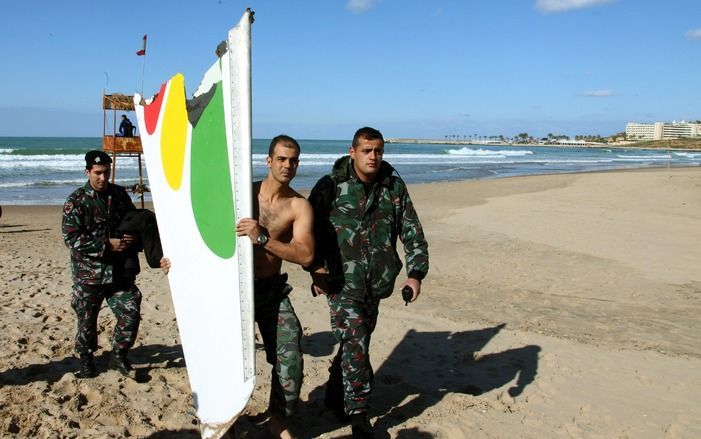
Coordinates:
x,y
563,306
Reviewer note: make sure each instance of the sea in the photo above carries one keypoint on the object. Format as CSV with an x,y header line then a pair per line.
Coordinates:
x,y
45,170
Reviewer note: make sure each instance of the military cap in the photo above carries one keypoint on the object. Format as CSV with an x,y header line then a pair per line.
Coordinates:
x,y
97,158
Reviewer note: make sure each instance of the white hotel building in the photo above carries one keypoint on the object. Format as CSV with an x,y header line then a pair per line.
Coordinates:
x,y
662,130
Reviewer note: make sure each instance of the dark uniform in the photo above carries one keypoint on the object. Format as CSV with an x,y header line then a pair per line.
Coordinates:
x,y
90,218
126,128
356,227
282,334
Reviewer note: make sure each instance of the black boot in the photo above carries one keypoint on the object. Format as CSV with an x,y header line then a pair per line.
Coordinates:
x,y
119,362
361,428
333,399
87,366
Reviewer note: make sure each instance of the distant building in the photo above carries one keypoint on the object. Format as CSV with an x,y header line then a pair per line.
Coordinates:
x,y
662,130
570,142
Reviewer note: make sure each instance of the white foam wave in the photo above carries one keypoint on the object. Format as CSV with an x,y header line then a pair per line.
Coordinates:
x,y
69,181
333,157
691,155
330,159
56,162
42,183
7,150
645,157
436,159
488,152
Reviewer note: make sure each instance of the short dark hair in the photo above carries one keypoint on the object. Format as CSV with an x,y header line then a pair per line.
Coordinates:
x,y
285,140
367,133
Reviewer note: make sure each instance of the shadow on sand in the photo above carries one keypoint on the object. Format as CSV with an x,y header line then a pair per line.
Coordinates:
x,y
175,434
23,230
53,370
420,371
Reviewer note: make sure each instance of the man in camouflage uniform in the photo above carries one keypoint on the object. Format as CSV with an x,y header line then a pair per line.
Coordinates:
x,y
104,266
280,230
360,210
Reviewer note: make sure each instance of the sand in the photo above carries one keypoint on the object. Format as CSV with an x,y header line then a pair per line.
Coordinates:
x,y
556,306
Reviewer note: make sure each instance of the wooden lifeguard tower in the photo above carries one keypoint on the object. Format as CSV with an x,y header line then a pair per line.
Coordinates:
x,y
119,146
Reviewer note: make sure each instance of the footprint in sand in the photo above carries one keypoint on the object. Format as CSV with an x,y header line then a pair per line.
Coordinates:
x,y
643,379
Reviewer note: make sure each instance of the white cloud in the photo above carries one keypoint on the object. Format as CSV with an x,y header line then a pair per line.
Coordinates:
x,y
599,93
694,34
360,6
555,6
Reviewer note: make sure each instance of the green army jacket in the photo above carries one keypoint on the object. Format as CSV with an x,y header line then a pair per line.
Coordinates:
x,y
356,230
89,219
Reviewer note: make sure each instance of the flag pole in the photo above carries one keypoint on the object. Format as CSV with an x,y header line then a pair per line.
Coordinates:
x,y
142,52
143,69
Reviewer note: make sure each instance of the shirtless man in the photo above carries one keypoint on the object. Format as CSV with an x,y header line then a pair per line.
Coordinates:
x,y
280,230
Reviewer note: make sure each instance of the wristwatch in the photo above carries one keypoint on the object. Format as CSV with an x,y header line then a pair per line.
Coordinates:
x,y
262,239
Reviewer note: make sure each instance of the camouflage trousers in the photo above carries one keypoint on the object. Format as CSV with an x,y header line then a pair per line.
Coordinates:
x,y
125,303
282,334
352,322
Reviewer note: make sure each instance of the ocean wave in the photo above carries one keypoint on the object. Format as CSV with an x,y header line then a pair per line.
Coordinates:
x,y
60,182
443,160
644,157
50,151
40,184
334,157
7,150
691,155
330,159
465,151
56,162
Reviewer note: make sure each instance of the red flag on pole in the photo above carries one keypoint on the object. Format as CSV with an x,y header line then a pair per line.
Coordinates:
x,y
143,48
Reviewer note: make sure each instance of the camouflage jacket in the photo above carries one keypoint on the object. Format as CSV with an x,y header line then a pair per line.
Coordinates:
x,y
356,233
89,220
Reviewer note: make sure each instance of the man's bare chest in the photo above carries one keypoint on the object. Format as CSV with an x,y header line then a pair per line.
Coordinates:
x,y
277,219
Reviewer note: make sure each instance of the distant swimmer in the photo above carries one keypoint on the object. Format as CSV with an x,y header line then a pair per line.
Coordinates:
x,y
104,263
360,210
281,229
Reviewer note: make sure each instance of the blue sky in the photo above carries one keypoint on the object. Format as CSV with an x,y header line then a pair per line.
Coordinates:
x,y
323,68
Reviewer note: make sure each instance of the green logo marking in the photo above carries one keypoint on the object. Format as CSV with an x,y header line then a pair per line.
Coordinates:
x,y
211,191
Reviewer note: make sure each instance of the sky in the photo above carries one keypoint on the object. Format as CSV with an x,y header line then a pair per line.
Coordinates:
x,y
323,68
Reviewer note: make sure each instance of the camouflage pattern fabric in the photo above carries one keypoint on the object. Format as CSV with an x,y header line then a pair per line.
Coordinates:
x,y
89,219
282,335
352,324
125,303
356,227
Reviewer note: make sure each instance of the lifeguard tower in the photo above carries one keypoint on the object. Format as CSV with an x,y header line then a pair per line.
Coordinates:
x,y
118,146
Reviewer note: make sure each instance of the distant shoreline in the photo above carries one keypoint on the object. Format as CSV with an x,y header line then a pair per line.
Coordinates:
x,y
681,144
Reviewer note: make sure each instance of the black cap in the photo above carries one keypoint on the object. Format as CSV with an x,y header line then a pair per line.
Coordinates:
x,y
97,158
